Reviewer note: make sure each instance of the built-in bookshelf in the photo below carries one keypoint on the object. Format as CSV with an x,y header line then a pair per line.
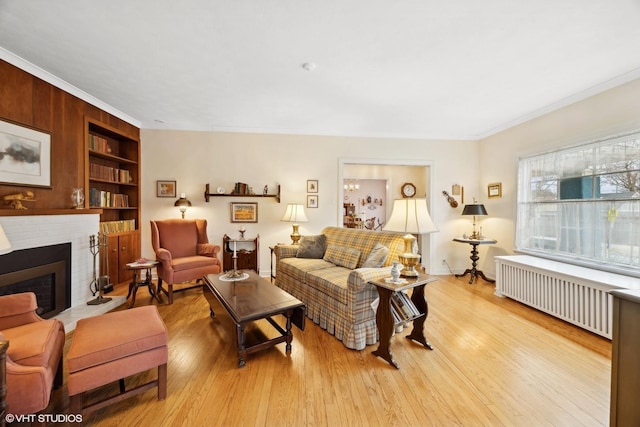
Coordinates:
x,y
112,174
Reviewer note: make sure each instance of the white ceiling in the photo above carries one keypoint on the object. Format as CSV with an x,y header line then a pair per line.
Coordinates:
x,y
457,69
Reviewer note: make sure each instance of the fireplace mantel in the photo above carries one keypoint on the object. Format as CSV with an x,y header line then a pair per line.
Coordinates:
x,y
28,212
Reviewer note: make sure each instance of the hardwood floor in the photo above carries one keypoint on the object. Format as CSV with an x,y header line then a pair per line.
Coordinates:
x,y
495,362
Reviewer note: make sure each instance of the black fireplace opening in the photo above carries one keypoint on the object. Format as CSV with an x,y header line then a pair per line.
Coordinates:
x,y
45,271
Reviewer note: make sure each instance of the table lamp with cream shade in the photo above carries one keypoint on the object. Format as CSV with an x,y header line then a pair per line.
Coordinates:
x,y
295,213
5,244
410,216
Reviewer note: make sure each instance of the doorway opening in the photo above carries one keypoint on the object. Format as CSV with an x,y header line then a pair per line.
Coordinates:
x,y
391,174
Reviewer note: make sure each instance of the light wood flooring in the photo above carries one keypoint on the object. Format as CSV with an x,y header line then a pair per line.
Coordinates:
x,y
495,363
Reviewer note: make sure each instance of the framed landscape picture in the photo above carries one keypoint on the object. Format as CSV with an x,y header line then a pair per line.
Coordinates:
x,y
244,212
25,156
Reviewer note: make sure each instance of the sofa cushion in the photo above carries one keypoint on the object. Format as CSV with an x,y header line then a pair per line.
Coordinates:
x,y
365,240
32,344
332,282
342,256
297,268
312,246
377,256
192,262
122,334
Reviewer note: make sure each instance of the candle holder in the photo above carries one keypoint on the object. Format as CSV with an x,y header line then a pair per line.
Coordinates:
x,y
234,274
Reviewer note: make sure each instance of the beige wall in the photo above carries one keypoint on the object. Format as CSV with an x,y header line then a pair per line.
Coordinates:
x,y
220,159
609,113
194,159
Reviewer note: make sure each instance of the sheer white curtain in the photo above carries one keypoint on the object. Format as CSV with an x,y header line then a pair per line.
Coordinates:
x,y
582,204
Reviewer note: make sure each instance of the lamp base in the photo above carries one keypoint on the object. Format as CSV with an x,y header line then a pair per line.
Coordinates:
x,y
409,261
295,236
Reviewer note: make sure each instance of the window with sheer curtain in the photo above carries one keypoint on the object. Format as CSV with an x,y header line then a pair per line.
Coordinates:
x,y
582,204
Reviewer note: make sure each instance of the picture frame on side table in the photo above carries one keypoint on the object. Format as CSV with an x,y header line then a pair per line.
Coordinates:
x,y
166,189
26,155
494,190
312,186
312,201
244,212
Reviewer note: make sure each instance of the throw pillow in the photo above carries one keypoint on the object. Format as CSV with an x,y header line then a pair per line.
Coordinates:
x,y
312,246
377,256
342,256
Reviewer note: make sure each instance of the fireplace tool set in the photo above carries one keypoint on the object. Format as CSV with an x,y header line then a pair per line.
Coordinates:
x,y
100,283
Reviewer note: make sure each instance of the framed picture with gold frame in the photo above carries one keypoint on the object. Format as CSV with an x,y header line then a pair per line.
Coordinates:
x,y
494,190
244,212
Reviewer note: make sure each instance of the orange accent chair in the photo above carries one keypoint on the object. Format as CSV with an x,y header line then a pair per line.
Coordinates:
x,y
34,356
184,252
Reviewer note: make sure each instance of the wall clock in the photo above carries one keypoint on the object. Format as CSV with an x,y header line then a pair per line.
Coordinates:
x,y
408,190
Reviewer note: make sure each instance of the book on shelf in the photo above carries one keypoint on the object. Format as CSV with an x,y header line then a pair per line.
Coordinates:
x,y
107,227
107,199
108,173
99,144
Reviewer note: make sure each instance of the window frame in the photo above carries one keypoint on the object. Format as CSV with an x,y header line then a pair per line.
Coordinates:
x,y
557,183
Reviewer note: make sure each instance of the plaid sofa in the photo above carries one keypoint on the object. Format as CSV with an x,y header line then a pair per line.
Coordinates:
x,y
339,298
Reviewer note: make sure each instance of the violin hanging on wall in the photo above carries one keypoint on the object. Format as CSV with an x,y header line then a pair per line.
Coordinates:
x,y
452,202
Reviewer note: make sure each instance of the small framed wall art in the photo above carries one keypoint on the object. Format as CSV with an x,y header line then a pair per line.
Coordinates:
x,y
312,201
165,189
312,186
244,212
494,190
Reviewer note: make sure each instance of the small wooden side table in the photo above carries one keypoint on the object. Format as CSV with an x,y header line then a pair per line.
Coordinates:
x,y
137,281
384,317
474,257
246,250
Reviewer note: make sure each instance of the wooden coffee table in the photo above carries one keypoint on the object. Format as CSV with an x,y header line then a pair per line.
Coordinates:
x,y
252,299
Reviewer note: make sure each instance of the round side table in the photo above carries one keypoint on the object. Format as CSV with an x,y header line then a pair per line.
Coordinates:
x,y
474,258
138,268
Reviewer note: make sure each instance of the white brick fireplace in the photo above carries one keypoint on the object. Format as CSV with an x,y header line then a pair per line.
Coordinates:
x,y
31,231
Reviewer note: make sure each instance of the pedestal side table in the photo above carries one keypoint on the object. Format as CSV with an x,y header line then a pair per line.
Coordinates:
x,y
474,257
138,268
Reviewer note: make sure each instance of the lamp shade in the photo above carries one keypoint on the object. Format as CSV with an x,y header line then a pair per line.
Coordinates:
x,y
474,209
410,216
5,245
182,201
294,213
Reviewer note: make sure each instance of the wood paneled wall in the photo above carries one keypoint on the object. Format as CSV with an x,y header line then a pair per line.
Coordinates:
x,y
29,101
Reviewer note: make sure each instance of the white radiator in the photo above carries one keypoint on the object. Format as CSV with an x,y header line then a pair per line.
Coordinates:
x,y
575,294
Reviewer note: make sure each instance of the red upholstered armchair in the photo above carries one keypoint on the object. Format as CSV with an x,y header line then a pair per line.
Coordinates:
x,y
184,252
34,356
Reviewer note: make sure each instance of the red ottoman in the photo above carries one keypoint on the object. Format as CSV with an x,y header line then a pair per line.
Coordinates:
x,y
113,346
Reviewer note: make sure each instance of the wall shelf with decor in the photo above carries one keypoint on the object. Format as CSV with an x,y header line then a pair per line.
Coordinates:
x,y
112,174
208,194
